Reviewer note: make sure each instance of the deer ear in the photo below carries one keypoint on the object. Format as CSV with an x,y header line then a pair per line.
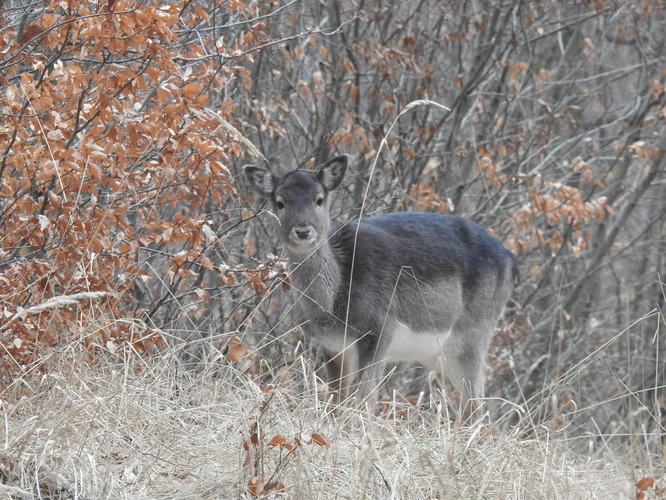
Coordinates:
x,y
261,180
332,173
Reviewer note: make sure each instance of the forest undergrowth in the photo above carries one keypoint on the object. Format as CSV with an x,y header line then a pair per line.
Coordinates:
x,y
152,428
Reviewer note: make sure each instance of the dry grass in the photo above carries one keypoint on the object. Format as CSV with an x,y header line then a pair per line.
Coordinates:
x,y
155,430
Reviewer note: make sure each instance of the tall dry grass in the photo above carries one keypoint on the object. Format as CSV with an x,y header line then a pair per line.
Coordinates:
x,y
153,429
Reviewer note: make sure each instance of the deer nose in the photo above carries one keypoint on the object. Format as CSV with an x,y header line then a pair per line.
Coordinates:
x,y
302,233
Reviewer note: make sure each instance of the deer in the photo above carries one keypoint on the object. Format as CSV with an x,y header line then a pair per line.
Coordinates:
x,y
402,286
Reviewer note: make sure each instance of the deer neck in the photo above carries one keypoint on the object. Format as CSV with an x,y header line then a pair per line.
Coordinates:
x,y
316,280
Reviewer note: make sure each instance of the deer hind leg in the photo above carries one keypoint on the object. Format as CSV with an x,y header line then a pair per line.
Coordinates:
x,y
465,363
467,376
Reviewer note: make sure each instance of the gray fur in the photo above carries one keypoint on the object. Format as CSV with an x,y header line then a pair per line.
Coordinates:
x,y
407,286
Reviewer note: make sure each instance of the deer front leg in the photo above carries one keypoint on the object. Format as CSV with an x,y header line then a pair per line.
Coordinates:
x,y
341,374
371,355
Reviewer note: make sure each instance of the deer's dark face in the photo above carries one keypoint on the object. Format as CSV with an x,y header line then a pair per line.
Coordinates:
x,y
300,200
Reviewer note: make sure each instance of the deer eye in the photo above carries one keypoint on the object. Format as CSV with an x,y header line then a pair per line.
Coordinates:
x,y
279,204
320,201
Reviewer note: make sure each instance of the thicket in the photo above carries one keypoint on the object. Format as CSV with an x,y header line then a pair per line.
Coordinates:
x,y
125,125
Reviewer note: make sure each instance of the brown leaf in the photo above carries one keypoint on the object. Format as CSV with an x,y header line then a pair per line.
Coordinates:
x,y
255,486
288,446
276,485
319,439
236,351
645,484
276,440
30,32
256,438
191,89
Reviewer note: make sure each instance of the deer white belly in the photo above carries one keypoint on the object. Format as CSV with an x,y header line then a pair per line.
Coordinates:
x,y
423,347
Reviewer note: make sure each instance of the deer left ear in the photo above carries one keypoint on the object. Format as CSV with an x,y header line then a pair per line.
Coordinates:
x,y
332,173
261,180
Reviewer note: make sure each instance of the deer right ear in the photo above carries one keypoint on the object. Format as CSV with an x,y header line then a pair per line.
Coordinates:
x,y
332,173
260,179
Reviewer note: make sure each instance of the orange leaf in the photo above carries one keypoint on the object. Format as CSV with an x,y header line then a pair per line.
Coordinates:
x,y
255,486
645,484
255,438
276,440
275,486
191,89
289,446
236,351
319,439
31,31
206,263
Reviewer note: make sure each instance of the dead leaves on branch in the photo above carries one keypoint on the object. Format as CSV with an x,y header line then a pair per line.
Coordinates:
x,y
267,453
109,157
557,214
236,351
